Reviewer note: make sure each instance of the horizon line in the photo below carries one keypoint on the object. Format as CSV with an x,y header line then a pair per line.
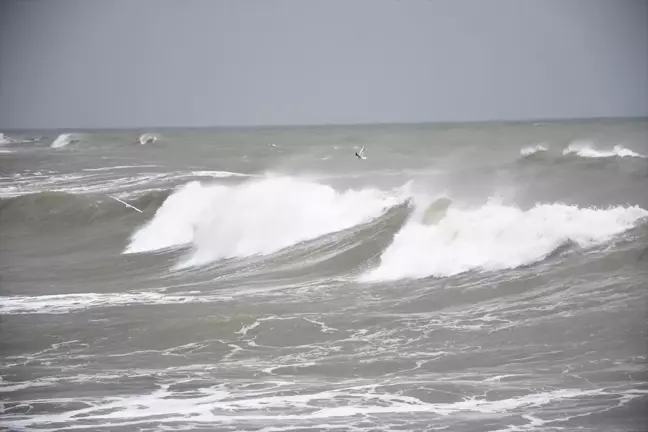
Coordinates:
x,y
316,125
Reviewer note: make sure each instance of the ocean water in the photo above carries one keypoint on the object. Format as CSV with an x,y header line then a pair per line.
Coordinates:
x,y
484,277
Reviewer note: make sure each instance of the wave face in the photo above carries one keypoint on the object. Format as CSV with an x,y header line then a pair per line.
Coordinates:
x,y
258,217
64,140
464,277
496,237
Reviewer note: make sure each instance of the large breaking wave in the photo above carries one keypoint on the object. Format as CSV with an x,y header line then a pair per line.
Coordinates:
x,y
496,237
255,218
261,217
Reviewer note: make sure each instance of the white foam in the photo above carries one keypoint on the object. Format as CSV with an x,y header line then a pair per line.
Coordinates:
x,y
64,303
94,180
118,167
63,140
528,151
256,217
221,405
495,237
77,183
148,138
4,139
218,174
586,150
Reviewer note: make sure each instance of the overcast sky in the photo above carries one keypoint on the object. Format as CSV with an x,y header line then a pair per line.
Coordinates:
x,y
124,63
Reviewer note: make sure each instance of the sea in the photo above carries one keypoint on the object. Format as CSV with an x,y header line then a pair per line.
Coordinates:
x,y
455,277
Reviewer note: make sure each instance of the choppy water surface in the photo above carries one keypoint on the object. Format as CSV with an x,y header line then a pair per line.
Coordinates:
x,y
463,278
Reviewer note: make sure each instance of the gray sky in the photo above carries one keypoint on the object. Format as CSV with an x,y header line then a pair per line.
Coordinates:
x,y
124,63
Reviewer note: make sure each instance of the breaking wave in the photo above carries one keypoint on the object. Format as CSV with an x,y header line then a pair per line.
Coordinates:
x,y
147,138
586,150
255,218
583,149
64,140
260,217
496,237
528,151
442,239
4,139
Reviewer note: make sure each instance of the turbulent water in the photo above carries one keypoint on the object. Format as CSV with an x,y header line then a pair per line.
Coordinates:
x,y
461,277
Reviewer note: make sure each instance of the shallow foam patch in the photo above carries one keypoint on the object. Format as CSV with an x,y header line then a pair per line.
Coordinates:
x,y
65,303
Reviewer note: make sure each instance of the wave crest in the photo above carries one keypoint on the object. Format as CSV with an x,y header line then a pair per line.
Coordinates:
x,y
496,237
148,138
586,150
531,150
63,140
255,218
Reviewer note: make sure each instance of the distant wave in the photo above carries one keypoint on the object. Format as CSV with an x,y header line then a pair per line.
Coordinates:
x,y
586,150
148,138
255,218
496,237
64,140
528,151
4,139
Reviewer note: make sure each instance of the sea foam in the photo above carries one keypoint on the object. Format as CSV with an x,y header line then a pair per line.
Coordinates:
x,y
254,218
496,237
